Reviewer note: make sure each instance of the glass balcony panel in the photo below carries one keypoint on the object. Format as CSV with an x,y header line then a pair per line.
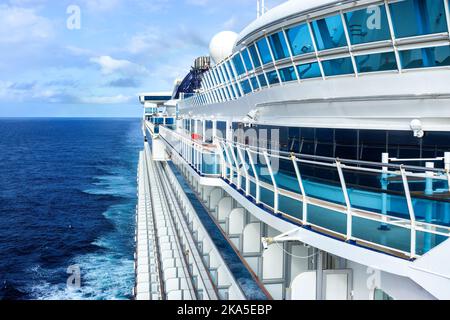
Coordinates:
x,y
254,55
273,77
425,57
247,61
376,62
300,40
427,241
337,67
238,64
262,80
264,51
328,219
329,33
288,74
418,17
291,207
211,164
279,46
368,25
309,71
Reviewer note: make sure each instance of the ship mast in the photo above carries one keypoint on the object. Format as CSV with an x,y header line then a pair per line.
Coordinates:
x,y
260,8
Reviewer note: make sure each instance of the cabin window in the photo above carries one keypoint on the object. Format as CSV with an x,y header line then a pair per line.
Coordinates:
x,y
300,40
279,46
237,61
337,67
246,86
262,80
255,56
329,33
264,51
418,17
247,61
273,77
376,62
425,57
288,74
254,82
368,25
309,70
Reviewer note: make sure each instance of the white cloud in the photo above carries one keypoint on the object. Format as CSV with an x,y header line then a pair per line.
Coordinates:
x,y
110,66
18,25
107,99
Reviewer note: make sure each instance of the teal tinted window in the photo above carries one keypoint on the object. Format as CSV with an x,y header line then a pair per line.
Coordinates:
x,y
233,75
273,77
425,58
368,25
262,80
329,33
245,85
254,55
337,67
254,83
279,46
376,62
247,61
309,70
418,17
264,51
224,73
288,74
237,61
300,40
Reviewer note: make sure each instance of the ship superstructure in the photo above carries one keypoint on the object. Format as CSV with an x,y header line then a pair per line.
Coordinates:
x,y
310,159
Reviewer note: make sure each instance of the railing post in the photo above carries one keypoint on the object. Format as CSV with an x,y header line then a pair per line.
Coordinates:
x,y
347,200
231,178
244,164
302,189
258,187
223,166
412,214
276,194
447,161
233,154
384,187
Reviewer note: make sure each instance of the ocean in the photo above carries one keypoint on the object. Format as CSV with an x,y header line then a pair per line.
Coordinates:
x,y
67,204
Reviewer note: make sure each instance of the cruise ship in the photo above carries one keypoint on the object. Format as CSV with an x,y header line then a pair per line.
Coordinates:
x,y
307,158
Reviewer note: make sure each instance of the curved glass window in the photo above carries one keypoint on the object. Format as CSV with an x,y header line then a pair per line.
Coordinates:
x,y
264,51
309,70
247,61
254,82
254,55
329,33
272,77
231,91
279,46
418,17
237,61
368,25
245,85
233,75
288,74
262,80
376,62
425,57
300,40
225,73
337,67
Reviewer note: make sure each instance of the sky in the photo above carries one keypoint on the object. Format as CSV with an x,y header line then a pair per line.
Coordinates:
x,y
92,58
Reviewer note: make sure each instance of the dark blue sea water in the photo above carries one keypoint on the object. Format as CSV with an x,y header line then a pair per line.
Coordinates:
x,y
67,197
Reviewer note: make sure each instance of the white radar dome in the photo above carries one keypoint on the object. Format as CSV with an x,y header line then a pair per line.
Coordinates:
x,y
222,45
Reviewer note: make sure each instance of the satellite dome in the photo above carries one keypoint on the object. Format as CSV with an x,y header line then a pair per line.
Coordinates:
x,y
222,45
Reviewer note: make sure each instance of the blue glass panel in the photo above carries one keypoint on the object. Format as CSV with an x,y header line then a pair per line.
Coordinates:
x,y
288,74
254,55
273,77
262,80
418,17
309,70
376,62
300,40
247,61
254,83
233,75
246,86
425,58
237,61
329,33
225,73
279,46
337,67
368,25
264,51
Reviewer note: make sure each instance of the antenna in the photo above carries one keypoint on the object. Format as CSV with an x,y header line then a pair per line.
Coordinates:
x,y
260,8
